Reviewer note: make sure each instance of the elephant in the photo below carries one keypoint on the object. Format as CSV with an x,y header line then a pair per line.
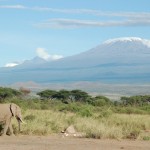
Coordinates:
x,y
7,112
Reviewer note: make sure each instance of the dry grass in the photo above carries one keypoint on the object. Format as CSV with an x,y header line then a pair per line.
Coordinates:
x,y
115,126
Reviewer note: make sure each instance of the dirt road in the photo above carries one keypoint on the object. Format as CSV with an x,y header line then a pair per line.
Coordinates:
x,y
67,143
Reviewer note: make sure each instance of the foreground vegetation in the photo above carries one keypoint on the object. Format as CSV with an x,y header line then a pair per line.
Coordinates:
x,y
96,117
114,122
112,126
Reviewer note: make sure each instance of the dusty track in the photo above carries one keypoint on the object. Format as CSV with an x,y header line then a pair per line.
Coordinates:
x,y
67,143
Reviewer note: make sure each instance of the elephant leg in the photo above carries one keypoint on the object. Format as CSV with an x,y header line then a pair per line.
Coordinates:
x,y
6,127
11,129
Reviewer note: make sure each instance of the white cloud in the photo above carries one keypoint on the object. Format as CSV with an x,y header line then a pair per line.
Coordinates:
x,y
74,23
13,7
82,11
11,64
42,53
111,18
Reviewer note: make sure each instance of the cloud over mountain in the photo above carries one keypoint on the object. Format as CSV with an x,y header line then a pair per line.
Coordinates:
x,y
42,53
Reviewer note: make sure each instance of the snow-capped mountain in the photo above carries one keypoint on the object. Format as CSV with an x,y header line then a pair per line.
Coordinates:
x,y
121,50
116,60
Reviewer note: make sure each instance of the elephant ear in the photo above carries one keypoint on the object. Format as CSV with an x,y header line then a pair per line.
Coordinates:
x,y
13,109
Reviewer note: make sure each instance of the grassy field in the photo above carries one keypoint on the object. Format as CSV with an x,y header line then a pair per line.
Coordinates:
x,y
46,117
112,125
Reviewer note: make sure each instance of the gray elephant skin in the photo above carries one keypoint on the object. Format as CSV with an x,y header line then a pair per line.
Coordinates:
x,y
7,112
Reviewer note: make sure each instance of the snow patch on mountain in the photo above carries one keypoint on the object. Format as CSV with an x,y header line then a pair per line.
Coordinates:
x,y
129,39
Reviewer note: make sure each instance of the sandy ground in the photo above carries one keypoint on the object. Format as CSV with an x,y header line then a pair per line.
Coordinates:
x,y
68,143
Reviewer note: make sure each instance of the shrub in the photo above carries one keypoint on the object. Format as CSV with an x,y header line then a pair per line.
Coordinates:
x,y
105,114
8,93
146,138
85,112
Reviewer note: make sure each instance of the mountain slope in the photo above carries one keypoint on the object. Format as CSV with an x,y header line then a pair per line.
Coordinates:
x,y
119,60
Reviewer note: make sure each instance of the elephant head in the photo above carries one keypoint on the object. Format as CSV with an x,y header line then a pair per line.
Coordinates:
x,y
16,112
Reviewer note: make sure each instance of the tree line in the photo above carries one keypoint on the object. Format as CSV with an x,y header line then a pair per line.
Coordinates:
x,y
69,96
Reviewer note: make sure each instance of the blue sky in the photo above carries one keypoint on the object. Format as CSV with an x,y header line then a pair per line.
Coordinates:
x,y
58,28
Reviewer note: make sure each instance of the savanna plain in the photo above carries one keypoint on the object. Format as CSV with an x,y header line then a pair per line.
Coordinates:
x,y
102,124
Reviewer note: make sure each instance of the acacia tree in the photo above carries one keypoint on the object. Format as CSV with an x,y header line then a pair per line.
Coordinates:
x,y
62,95
65,95
79,95
47,94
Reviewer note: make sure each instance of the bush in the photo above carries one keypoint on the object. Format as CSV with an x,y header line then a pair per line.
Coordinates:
x,y
129,110
146,138
105,114
101,101
8,92
85,112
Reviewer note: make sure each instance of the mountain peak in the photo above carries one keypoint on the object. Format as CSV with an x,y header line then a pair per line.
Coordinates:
x,y
129,39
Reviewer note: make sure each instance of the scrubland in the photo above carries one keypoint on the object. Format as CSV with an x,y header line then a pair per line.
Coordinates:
x,y
107,122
